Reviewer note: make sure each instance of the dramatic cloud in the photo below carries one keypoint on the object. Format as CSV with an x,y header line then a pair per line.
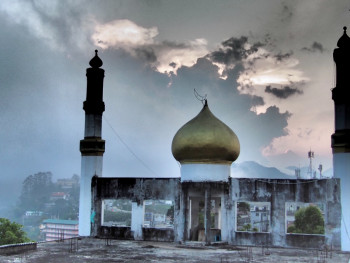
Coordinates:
x,y
61,28
153,61
234,50
315,47
123,34
284,92
140,42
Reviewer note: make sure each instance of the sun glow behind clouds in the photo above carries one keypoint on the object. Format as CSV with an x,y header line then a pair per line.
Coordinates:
x,y
123,34
127,35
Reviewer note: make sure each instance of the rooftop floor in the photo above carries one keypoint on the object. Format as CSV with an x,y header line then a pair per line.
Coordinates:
x,y
96,250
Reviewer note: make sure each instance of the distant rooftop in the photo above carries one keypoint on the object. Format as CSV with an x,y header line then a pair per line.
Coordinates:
x,y
61,221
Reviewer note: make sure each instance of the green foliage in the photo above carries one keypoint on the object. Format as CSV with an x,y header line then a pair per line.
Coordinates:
x,y
119,217
246,227
123,204
308,220
157,208
11,233
291,229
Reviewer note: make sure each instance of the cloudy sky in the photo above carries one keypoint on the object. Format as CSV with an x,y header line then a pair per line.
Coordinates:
x,y
265,66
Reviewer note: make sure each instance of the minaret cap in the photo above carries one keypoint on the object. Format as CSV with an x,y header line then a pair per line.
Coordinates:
x,y
344,40
96,62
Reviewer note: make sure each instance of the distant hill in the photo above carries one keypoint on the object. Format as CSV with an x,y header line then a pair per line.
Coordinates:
x,y
251,169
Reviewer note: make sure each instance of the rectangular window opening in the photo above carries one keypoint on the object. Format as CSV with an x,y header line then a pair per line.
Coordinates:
x,y
116,212
253,217
158,214
305,218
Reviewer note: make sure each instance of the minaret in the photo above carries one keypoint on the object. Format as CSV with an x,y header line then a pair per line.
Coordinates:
x,y
341,137
92,147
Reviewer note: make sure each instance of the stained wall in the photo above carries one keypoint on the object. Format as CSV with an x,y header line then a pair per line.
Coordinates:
x,y
276,192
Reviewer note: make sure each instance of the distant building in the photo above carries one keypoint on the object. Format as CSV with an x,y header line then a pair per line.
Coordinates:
x,y
59,195
33,213
67,183
57,229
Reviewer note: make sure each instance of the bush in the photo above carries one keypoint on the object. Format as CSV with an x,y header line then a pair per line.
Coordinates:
x,y
308,220
11,233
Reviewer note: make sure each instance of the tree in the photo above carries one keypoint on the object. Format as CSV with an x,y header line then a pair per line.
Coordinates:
x,y
308,220
11,233
36,190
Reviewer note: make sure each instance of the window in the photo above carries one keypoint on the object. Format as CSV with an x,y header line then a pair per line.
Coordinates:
x,y
253,216
116,212
158,214
304,218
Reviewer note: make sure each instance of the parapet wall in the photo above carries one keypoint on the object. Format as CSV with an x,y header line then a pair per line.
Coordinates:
x,y
17,248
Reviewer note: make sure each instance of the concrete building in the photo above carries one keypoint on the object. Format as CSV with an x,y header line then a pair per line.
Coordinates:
x,y
209,205
206,203
341,137
57,229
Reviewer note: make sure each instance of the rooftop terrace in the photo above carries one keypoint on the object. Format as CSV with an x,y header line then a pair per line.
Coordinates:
x,y
99,250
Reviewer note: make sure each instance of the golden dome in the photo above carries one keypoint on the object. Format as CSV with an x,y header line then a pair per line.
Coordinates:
x,y
205,139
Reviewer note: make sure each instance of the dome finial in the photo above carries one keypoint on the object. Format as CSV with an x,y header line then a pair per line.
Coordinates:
x,y
201,98
345,29
96,62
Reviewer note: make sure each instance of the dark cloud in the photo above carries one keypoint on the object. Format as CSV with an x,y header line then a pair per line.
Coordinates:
x,y
287,12
234,50
284,92
315,47
146,54
172,64
280,56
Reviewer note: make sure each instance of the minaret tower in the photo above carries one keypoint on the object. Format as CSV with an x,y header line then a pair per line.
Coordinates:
x,y
92,147
341,137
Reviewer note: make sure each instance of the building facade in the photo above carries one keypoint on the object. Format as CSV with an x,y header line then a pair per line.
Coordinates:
x,y
206,203
57,229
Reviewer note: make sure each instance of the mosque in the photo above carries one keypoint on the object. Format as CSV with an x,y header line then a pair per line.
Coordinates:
x,y
206,204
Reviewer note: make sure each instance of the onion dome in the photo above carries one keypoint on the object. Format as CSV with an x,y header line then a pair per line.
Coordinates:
x,y
205,139
96,62
344,40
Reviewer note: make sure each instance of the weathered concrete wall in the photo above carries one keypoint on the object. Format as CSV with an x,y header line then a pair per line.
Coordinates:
x,y
278,192
156,234
274,191
113,232
137,190
17,248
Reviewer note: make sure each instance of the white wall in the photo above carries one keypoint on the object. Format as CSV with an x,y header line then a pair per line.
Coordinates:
x,y
90,166
341,165
198,172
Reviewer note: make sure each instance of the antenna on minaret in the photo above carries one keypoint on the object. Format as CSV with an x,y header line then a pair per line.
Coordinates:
x,y
310,156
199,97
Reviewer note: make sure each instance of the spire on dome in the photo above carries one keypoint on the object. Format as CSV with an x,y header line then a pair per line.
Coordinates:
x,y
344,40
96,62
